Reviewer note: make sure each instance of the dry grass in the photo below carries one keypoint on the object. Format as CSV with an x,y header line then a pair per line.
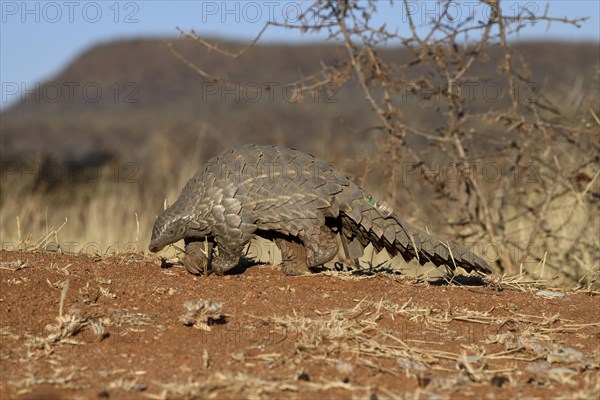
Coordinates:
x,y
200,314
352,338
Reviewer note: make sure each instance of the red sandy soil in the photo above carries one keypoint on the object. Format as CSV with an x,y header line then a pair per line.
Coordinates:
x,y
391,337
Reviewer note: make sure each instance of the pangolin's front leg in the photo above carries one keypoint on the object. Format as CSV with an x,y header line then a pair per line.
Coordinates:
x,y
230,252
223,262
197,256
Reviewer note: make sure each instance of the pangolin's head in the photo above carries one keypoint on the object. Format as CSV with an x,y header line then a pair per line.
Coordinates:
x,y
168,228
184,218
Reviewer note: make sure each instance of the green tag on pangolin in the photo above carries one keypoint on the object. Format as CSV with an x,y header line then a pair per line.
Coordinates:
x,y
383,208
370,200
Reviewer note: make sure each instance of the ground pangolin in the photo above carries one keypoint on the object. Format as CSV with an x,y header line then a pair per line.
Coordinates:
x,y
297,201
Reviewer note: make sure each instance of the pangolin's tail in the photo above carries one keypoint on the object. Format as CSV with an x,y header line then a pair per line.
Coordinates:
x,y
370,221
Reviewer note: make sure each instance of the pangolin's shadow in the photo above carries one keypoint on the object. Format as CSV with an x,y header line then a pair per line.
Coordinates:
x,y
369,271
243,265
456,280
459,280
383,268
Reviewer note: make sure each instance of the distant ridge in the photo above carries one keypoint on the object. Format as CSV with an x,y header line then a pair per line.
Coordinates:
x,y
117,96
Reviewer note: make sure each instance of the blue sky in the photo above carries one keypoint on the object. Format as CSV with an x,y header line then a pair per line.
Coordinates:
x,y
39,38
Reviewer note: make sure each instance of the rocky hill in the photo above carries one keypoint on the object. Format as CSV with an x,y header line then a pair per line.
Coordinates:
x,y
117,97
